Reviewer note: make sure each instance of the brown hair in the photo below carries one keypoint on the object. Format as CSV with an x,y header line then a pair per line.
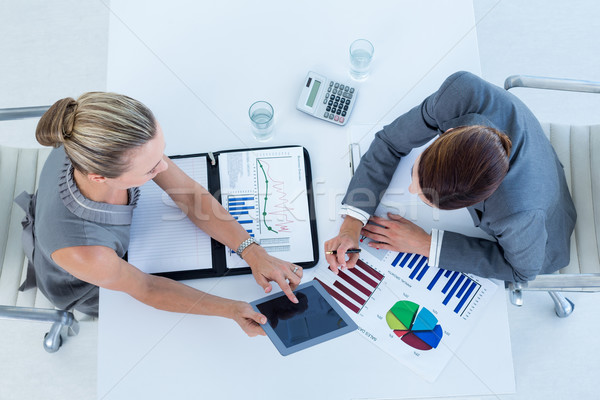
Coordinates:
x,y
464,166
98,131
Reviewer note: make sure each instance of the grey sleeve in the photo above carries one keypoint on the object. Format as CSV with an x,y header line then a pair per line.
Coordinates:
x,y
410,130
76,232
517,256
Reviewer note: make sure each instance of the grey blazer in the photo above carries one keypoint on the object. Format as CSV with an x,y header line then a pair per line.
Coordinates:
x,y
531,214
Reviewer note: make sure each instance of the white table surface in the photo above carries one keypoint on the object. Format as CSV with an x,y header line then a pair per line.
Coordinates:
x,y
199,67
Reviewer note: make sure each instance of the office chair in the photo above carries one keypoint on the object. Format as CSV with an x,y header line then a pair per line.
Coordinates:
x,y
578,149
19,171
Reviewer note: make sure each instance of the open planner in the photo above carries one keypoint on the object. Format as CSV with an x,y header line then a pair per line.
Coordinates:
x,y
267,190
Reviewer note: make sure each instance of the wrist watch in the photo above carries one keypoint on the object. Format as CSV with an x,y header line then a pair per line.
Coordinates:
x,y
243,246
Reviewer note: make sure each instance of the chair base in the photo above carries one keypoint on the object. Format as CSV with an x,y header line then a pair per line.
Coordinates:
x,y
63,323
563,307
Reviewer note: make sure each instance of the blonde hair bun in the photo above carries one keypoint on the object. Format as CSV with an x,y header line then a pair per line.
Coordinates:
x,y
56,125
97,131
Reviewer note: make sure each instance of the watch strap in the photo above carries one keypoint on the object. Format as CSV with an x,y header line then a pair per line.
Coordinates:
x,y
243,246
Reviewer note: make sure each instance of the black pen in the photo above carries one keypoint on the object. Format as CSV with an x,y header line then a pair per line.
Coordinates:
x,y
349,251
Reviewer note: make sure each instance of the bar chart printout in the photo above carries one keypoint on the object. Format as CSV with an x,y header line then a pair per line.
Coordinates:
x,y
417,313
353,287
265,191
453,289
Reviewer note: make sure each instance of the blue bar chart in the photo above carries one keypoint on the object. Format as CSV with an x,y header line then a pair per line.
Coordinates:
x,y
243,209
455,289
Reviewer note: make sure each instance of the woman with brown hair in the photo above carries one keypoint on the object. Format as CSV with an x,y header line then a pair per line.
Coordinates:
x,y
491,157
76,231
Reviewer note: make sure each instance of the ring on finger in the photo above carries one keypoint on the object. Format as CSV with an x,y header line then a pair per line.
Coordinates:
x,y
295,269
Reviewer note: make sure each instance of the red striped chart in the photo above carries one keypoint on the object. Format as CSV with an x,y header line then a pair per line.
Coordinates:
x,y
352,287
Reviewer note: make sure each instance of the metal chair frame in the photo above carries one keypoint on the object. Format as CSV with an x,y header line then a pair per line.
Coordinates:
x,y
63,322
554,283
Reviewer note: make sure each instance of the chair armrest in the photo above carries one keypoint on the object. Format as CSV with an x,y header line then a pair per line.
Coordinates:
x,y
539,82
8,114
564,283
37,314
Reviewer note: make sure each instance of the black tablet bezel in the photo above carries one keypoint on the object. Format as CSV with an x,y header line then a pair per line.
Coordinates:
x,y
285,350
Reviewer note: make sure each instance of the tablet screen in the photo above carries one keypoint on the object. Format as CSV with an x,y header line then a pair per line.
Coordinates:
x,y
310,318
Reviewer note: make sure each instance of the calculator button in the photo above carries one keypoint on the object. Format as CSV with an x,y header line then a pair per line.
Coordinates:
x,y
349,95
341,120
351,90
333,110
337,98
342,87
336,118
345,108
335,104
326,115
346,88
330,102
337,85
329,89
325,101
326,95
343,113
328,108
339,111
331,83
330,116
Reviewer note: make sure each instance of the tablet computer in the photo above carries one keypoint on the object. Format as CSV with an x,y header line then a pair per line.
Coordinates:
x,y
316,318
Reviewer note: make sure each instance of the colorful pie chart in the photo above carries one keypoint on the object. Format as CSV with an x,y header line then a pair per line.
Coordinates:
x,y
414,325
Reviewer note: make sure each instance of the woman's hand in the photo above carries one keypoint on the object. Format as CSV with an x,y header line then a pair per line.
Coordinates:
x,y
397,234
266,268
346,239
248,319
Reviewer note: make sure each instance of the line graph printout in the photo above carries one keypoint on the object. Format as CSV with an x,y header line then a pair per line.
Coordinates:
x,y
265,191
417,313
163,239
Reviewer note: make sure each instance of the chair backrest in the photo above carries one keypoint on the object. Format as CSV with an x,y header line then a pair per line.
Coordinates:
x,y
578,149
19,171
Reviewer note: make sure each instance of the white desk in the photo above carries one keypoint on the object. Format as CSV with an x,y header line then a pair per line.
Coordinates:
x,y
199,67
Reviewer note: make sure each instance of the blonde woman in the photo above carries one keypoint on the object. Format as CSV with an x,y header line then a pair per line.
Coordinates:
x,y
76,231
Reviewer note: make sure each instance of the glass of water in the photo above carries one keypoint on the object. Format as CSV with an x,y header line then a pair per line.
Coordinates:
x,y
261,116
361,54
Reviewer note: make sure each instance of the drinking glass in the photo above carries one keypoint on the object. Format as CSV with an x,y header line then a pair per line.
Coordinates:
x,y
261,116
361,54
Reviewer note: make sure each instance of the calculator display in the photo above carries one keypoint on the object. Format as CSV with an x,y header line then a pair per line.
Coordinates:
x,y
313,93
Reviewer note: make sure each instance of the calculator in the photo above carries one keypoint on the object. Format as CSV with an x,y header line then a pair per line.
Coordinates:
x,y
326,99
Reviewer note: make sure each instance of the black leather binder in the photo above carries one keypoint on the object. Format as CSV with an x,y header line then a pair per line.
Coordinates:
x,y
251,210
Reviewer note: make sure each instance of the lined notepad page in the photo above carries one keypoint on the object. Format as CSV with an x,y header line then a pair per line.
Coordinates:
x,y
163,239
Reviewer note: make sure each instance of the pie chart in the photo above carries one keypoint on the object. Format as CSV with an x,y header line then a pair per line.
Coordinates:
x,y
414,325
